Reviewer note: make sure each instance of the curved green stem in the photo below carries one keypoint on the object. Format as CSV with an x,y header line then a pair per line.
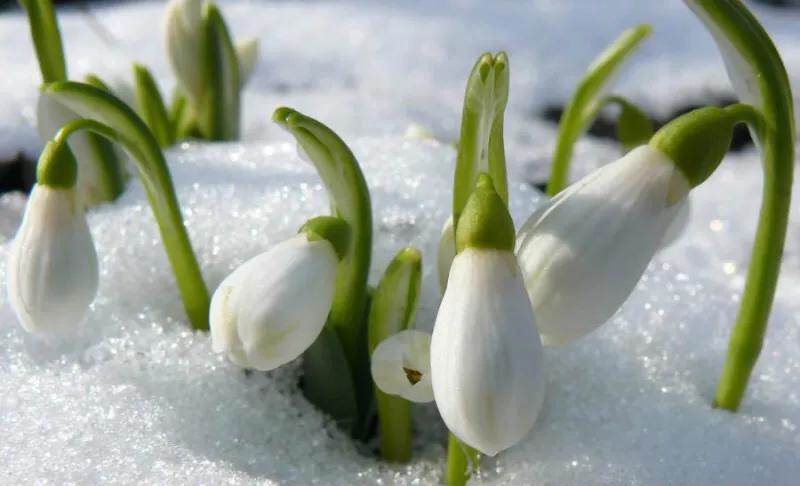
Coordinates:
x,y
46,39
760,79
462,461
349,197
587,101
110,117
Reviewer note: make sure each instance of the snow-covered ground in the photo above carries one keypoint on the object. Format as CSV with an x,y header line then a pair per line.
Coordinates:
x,y
136,398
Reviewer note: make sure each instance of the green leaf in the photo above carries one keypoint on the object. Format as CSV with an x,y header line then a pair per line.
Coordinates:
x,y
150,106
480,145
759,79
220,103
46,39
115,120
587,101
327,382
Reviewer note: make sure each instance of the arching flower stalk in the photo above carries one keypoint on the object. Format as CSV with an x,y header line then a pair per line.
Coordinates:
x,y
52,270
106,115
486,357
274,306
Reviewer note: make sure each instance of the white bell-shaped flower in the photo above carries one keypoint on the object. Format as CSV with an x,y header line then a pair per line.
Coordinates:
x,y
584,251
272,308
486,357
52,270
183,39
401,365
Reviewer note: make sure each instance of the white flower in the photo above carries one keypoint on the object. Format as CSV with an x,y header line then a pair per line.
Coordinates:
x,y
584,251
272,308
52,272
401,365
183,22
486,358
246,55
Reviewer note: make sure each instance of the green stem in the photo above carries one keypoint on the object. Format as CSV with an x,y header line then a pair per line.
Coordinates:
x,y
110,117
587,101
46,39
349,197
759,77
394,305
462,461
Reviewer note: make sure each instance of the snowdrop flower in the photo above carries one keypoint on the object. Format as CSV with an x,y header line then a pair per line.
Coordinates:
x,y
272,308
401,365
52,271
584,251
486,357
183,38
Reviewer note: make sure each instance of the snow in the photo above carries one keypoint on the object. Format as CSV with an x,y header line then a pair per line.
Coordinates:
x,y
134,397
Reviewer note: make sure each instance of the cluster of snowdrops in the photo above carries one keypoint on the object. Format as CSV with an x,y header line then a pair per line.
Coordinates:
x,y
505,292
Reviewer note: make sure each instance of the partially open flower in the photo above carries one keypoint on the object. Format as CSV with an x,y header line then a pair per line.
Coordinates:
x,y
401,365
52,271
584,251
273,307
486,357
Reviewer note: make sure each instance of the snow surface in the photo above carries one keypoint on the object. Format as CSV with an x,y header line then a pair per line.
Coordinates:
x,y
135,397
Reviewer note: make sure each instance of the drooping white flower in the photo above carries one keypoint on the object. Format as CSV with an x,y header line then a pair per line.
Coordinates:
x,y
183,39
584,251
52,270
486,356
401,365
273,307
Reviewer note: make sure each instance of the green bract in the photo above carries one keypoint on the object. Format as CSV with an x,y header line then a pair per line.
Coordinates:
x,y
485,222
335,230
57,166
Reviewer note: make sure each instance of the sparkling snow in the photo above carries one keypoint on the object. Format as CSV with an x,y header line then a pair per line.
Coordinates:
x,y
134,397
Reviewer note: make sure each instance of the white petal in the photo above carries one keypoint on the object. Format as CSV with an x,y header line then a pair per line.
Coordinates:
x,y
446,253
394,356
678,224
273,307
486,357
53,272
183,43
246,55
583,253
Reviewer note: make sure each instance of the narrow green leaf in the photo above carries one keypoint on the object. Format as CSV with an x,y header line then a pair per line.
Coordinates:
x,y
587,101
46,39
129,130
327,381
150,106
480,145
220,103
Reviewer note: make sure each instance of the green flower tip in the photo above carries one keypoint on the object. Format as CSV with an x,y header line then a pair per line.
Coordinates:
x,y
485,221
57,166
697,141
335,230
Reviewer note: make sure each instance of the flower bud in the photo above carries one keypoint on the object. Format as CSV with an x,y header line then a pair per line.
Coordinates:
x,y
52,271
183,32
401,365
273,307
584,251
